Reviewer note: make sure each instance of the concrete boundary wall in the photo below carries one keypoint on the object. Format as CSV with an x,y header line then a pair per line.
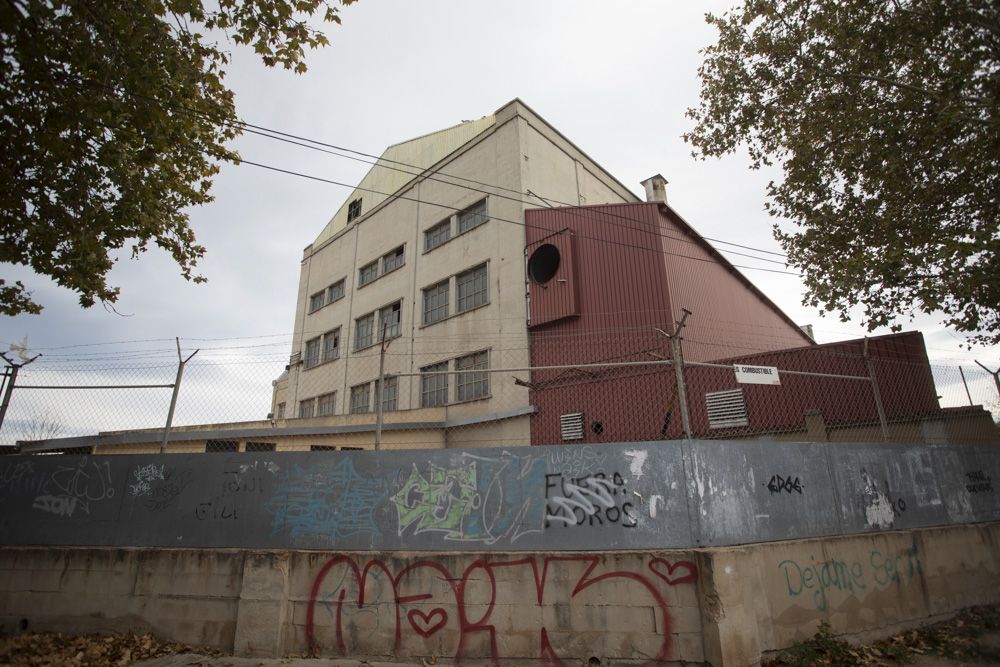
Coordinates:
x,y
629,496
723,606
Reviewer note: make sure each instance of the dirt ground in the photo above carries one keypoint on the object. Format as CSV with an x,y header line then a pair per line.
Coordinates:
x,y
970,639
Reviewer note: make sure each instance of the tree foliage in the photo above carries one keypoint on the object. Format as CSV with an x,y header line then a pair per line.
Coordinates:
x,y
114,118
884,116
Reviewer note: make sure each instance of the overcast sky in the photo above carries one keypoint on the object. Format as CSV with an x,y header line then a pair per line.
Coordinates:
x,y
615,78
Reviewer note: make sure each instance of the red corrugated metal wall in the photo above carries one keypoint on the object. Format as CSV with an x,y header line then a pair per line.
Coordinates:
x,y
625,271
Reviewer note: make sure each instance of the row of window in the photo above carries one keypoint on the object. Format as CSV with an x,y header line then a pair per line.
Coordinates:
x,y
471,291
387,263
334,292
470,288
465,220
472,381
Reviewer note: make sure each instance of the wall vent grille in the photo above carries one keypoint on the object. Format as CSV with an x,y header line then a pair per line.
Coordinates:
x,y
571,426
726,409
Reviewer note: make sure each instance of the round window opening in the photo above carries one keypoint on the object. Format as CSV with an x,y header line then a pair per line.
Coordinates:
x,y
544,263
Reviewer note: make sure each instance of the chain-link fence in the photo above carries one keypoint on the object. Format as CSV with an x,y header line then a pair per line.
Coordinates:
x,y
506,393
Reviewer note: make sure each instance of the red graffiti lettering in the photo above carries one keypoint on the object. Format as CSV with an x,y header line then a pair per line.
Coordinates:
x,y
658,565
430,604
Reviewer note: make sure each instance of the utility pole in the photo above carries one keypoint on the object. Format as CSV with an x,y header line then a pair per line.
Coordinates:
x,y
12,369
378,393
173,398
678,363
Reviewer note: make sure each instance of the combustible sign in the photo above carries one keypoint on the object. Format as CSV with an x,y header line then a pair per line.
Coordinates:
x,y
756,374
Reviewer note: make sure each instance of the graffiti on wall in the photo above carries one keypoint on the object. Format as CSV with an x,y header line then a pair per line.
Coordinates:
x,y
978,482
328,500
355,604
479,499
596,499
73,488
817,580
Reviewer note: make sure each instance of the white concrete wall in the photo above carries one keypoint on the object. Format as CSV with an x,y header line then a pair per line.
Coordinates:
x,y
517,151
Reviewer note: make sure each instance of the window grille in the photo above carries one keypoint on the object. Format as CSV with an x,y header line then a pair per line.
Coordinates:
x,y
312,353
392,260
364,328
335,292
354,210
571,426
367,273
388,319
359,397
261,446
726,409
331,345
390,394
326,404
437,235
434,385
469,386
222,446
471,288
436,302
317,301
472,217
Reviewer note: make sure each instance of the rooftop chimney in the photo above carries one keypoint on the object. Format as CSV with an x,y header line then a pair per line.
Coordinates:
x,y
656,189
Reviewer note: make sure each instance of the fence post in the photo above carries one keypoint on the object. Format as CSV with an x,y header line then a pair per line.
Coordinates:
x,y
12,378
996,377
878,395
173,397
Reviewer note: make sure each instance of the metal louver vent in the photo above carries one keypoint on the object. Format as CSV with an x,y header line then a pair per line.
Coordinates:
x,y
295,358
571,426
726,409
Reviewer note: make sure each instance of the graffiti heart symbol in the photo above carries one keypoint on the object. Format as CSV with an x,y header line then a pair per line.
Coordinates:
x,y
424,624
664,569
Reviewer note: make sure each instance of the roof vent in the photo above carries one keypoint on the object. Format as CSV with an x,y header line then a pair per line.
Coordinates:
x,y
656,189
726,409
571,426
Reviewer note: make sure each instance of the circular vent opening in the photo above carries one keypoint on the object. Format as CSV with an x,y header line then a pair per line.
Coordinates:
x,y
544,263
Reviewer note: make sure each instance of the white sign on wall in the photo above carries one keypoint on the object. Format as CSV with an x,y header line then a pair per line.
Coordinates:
x,y
756,374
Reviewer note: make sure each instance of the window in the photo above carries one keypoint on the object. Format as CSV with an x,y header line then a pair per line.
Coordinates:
x,y
279,413
392,260
472,217
221,446
331,345
312,352
322,348
367,273
359,398
335,292
471,289
390,395
436,302
322,448
307,408
437,235
434,385
317,301
388,320
326,404
354,210
261,446
469,386
364,328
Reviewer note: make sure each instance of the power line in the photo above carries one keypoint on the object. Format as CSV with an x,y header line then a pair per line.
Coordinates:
x,y
296,140
493,217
